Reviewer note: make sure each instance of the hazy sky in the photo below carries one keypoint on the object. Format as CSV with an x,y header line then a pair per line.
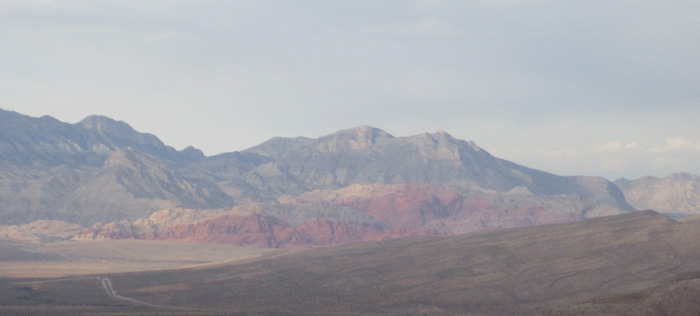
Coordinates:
x,y
609,88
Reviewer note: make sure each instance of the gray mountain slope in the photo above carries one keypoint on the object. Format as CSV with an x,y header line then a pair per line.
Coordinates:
x,y
103,170
677,194
46,142
368,155
96,170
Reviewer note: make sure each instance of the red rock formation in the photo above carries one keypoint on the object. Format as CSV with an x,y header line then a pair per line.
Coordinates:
x,y
410,206
247,230
399,210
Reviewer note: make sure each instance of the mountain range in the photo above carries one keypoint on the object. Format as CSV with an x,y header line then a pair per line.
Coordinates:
x,y
358,184
425,225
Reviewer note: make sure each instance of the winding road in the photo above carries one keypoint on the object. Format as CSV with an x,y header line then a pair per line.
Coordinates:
x,y
108,287
107,284
113,294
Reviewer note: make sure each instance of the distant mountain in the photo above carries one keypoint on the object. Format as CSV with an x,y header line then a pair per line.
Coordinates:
x,y
45,142
677,194
369,155
375,185
96,170
366,155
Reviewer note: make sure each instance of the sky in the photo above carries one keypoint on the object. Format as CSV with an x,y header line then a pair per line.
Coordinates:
x,y
605,88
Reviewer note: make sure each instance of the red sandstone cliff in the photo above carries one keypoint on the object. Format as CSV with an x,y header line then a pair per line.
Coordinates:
x,y
380,212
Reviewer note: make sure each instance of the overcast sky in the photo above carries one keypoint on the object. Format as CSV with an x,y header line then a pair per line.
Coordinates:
x,y
609,88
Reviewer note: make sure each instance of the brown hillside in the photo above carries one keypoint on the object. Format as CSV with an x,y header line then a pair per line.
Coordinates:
x,y
508,272
677,296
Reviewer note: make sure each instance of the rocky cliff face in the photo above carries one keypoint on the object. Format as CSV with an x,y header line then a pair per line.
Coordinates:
x,y
676,194
356,184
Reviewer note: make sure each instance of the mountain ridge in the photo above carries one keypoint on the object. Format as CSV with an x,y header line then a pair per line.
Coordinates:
x,y
43,142
100,170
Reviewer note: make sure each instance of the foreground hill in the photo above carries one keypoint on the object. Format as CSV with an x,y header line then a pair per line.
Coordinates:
x,y
676,194
641,258
507,272
676,296
353,185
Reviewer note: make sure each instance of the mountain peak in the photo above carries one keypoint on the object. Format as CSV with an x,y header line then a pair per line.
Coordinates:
x,y
441,132
358,138
364,131
118,134
105,124
439,136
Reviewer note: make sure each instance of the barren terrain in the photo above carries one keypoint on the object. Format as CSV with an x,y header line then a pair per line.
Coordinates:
x,y
633,264
71,258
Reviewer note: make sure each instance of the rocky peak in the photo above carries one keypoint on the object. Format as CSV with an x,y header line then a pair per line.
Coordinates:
x,y
441,135
192,154
358,138
366,132
108,133
119,133
105,124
